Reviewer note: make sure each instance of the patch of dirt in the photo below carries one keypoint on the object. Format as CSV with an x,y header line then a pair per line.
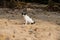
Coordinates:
x,y
12,26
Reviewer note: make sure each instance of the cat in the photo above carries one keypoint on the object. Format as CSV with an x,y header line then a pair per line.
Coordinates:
x,y
27,18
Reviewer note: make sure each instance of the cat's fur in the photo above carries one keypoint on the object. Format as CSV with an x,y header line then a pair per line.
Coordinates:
x,y
27,19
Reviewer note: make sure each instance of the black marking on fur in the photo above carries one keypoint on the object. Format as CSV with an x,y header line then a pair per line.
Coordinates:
x,y
33,23
24,13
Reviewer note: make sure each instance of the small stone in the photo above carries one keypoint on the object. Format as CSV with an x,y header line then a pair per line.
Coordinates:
x,y
30,31
35,29
13,36
49,34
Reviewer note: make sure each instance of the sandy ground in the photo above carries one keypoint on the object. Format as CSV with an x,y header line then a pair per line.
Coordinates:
x,y
47,26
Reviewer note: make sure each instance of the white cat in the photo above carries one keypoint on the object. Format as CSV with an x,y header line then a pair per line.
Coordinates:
x,y
28,19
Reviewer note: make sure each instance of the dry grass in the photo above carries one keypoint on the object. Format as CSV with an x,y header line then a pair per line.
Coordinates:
x,y
12,27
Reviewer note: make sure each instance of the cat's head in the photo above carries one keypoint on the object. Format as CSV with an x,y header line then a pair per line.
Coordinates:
x,y
24,13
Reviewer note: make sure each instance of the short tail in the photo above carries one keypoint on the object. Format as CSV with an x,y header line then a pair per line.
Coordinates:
x,y
33,23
